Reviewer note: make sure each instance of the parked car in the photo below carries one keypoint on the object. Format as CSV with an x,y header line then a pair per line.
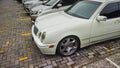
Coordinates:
x,y
50,7
32,3
36,4
83,24
23,1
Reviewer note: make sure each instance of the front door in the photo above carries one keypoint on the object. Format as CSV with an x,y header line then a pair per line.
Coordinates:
x,y
110,27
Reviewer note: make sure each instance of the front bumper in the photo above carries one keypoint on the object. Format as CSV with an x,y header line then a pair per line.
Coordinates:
x,y
44,48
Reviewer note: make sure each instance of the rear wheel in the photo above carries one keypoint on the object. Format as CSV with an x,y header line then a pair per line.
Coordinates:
x,y
68,46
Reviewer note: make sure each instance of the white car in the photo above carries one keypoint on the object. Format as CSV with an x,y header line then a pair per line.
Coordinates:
x,y
83,24
24,1
50,7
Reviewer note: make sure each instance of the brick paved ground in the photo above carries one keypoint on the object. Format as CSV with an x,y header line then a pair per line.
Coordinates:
x,y
17,50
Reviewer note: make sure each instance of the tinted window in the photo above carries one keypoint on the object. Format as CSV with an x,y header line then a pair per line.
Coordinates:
x,y
51,2
111,11
83,9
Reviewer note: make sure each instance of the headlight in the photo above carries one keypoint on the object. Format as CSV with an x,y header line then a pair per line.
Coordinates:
x,y
39,35
43,36
39,11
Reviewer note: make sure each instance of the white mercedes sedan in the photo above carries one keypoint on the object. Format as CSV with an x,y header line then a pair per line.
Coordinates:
x,y
83,24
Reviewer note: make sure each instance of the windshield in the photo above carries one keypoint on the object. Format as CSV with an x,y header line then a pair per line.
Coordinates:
x,y
83,9
51,2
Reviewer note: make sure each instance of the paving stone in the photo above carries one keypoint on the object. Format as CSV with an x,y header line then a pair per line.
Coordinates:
x,y
62,66
77,66
92,53
91,56
77,54
45,64
58,60
31,66
48,62
54,63
100,64
70,63
26,65
16,62
63,61
69,59
43,60
49,66
113,49
102,53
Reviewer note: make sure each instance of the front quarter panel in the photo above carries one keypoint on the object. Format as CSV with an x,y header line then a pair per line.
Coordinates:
x,y
57,34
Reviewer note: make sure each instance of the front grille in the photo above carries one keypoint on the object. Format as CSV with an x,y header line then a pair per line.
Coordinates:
x,y
35,30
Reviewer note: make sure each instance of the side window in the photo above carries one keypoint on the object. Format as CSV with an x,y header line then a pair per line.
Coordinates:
x,y
111,10
56,5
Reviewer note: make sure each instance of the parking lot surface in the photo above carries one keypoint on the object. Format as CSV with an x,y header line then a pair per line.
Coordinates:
x,y
17,50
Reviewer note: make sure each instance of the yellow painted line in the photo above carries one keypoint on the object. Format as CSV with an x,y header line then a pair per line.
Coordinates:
x,y
23,19
26,34
23,58
28,49
108,50
13,39
30,53
1,52
7,43
13,27
1,31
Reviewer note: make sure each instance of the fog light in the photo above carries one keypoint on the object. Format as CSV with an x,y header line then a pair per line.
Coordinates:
x,y
51,46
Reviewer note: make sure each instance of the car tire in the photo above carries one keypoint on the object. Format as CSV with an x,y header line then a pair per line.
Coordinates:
x,y
68,46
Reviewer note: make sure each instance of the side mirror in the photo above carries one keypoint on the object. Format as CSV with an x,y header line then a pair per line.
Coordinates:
x,y
44,1
59,5
101,18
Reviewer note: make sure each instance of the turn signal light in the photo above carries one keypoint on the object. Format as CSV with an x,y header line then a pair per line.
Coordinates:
x,y
51,46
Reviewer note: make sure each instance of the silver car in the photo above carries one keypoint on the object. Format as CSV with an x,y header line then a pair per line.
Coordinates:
x,y
32,3
50,7
23,1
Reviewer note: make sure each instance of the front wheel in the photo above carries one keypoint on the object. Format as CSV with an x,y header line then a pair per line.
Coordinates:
x,y
68,46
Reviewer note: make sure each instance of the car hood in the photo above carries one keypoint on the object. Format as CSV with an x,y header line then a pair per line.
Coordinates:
x,y
30,2
40,7
57,20
37,4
